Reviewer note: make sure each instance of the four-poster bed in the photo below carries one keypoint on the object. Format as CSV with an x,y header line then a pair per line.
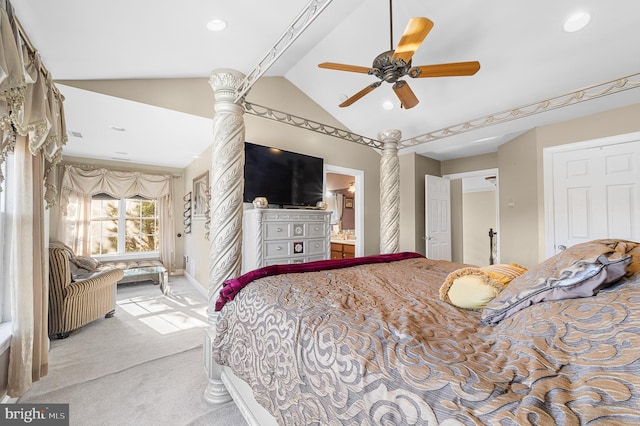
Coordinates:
x,y
382,340
374,341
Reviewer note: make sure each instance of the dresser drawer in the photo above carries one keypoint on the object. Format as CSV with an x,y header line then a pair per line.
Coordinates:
x,y
278,249
314,247
316,230
284,236
288,261
276,231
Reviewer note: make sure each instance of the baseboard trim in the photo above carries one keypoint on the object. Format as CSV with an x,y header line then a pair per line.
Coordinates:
x,y
6,399
202,289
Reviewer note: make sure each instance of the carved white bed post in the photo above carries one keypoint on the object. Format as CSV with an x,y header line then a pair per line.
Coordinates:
x,y
227,180
390,192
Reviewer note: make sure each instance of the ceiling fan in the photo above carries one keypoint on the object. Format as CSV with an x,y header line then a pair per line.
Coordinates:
x,y
392,65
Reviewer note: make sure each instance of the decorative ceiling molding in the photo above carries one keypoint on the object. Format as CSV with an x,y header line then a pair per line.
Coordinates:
x,y
313,9
581,95
304,123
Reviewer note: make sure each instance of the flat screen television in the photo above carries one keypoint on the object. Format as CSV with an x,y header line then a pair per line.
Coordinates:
x,y
285,178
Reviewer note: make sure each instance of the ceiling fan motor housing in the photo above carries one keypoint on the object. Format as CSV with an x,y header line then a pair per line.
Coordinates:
x,y
388,69
392,65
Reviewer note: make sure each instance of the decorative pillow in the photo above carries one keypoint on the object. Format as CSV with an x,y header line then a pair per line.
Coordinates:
x,y
473,288
84,262
579,271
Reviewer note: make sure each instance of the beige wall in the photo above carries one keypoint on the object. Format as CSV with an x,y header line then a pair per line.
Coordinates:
x,y
518,200
470,164
618,121
196,246
519,161
194,96
521,177
413,168
479,215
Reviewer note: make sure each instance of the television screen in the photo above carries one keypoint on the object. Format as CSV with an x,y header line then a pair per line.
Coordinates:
x,y
285,178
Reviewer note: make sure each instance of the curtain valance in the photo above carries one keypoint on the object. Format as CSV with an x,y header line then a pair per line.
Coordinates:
x,y
118,184
30,104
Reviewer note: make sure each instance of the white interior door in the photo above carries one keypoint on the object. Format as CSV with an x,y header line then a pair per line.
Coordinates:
x,y
437,217
596,194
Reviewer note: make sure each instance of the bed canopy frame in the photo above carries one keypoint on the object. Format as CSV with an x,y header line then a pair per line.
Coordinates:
x,y
229,88
227,182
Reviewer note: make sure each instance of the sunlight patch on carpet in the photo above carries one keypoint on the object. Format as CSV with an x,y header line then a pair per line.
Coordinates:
x,y
166,315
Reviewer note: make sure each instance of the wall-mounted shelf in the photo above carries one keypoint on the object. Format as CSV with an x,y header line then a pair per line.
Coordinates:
x,y
187,213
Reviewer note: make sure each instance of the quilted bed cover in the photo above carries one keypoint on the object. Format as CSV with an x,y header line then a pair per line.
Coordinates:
x,y
373,344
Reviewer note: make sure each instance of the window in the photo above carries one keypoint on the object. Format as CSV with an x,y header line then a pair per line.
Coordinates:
x,y
126,226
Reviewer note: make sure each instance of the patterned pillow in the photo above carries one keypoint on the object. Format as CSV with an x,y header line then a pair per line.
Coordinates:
x,y
473,288
579,271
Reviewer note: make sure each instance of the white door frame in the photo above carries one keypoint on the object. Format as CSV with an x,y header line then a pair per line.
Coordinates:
x,y
547,164
482,173
359,200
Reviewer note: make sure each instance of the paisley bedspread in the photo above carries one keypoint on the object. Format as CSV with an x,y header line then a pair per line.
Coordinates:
x,y
373,345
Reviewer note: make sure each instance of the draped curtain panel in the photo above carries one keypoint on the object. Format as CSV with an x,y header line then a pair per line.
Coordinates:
x,y
80,183
28,356
32,134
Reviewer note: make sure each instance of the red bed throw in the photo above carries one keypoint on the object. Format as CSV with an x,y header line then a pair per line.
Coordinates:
x,y
231,287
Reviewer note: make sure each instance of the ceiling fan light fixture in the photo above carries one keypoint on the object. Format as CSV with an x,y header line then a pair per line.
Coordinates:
x,y
388,105
216,24
576,22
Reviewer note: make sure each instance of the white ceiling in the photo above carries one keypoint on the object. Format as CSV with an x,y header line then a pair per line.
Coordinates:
x,y
524,53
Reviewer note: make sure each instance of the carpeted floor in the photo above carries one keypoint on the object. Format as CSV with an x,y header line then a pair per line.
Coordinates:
x,y
144,366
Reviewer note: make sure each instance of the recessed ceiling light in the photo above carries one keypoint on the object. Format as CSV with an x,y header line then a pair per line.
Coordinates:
x,y
117,129
576,22
388,105
216,24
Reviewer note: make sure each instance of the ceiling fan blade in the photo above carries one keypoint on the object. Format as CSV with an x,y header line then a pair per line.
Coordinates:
x,y
343,67
360,94
413,36
449,70
407,98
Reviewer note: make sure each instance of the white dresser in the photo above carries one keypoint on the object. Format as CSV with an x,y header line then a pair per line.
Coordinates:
x,y
277,236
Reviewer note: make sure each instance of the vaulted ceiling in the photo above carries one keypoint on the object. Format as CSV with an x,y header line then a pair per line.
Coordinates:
x,y
526,58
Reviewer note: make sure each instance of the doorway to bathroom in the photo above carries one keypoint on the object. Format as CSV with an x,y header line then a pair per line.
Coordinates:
x,y
344,194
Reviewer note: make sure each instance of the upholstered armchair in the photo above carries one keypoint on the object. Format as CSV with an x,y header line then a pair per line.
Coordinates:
x,y
74,303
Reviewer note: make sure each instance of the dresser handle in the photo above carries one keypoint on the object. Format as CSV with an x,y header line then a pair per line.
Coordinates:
x,y
317,245
316,228
278,248
279,229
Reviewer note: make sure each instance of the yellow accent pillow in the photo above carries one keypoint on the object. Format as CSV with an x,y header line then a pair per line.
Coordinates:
x,y
472,288
504,273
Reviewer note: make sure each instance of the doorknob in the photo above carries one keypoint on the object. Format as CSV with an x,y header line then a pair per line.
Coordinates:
x,y
562,247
